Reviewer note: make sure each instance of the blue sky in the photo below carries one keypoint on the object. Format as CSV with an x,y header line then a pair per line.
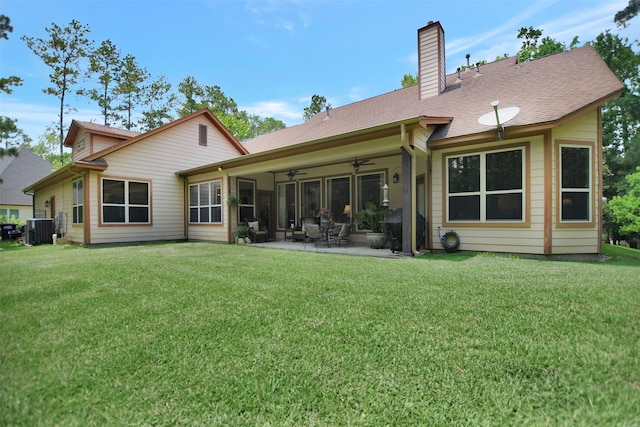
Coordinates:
x,y
272,56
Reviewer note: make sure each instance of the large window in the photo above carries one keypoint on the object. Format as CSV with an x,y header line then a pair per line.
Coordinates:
x,y
247,195
339,197
125,202
7,214
205,202
286,205
369,188
310,199
575,183
486,187
78,202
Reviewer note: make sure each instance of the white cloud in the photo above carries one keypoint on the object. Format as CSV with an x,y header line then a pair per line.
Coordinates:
x,y
356,93
287,112
34,119
507,29
585,23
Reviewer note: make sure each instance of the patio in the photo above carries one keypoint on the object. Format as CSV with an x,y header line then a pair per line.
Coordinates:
x,y
358,249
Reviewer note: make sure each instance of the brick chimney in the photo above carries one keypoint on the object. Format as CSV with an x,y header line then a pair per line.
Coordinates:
x,y
431,60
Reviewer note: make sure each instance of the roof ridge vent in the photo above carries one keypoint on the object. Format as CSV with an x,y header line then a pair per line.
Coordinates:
x,y
478,73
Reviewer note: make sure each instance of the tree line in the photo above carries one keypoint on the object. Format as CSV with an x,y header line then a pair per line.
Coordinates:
x,y
129,97
126,94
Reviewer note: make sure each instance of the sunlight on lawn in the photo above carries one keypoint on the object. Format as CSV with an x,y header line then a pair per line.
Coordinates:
x,y
209,334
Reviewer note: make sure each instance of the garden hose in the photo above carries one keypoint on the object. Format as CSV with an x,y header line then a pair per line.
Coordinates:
x,y
449,240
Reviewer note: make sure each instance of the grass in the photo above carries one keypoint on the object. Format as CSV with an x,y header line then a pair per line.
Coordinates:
x,y
207,334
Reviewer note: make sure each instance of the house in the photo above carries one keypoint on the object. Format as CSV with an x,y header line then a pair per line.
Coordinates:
x,y
17,172
520,175
121,186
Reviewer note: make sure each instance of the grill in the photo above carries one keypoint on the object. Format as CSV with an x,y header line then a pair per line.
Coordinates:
x,y
392,228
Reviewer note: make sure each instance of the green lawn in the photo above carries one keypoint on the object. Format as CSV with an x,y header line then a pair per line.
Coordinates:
x,y
210,334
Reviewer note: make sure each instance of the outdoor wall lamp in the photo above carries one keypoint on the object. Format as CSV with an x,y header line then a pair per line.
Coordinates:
x,y
385,195
46,203
396,178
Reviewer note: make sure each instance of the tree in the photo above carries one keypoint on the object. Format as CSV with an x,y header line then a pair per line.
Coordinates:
x,y
621,116
62,52
623,17
159,100
318,103
192,93
47,147
240,123
10,135
261,126
106,62
409,80
130,80
8,126
197,97
215,100
625,210
530,48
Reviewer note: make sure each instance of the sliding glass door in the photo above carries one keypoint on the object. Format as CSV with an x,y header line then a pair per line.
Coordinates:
x,y
339,198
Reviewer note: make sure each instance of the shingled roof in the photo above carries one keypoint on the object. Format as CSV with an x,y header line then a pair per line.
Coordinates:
x,y
96,129
19,172
547,91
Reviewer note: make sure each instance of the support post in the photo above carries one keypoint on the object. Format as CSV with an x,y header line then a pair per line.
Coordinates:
x,y
407,185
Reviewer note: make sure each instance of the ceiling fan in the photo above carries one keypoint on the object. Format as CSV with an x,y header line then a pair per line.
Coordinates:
x,y
357,163
291,174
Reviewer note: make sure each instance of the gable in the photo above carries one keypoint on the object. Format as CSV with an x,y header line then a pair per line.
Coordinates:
x,y
175,148
200,117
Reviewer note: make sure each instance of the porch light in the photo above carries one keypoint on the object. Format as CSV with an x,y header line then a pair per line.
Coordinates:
x,y
46,203
396,178
385,195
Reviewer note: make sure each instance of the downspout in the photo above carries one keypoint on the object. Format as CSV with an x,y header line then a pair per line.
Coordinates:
x,y
412,154
185,209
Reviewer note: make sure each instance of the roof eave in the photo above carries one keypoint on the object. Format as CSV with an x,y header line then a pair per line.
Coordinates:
x,y
216,122
69,171
76,126
519,131
317,144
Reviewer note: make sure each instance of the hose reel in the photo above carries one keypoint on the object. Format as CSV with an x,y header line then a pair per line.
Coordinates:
x,y
449,240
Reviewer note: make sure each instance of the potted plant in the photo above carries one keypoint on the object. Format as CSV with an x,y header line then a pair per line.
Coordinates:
x,y
242,235
325,217
233,200
371,218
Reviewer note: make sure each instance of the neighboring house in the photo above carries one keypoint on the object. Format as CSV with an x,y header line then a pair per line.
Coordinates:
x,y
17,172
534,187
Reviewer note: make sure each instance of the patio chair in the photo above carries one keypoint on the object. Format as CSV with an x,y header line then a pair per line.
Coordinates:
x,y
343,235
257,234
312,233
